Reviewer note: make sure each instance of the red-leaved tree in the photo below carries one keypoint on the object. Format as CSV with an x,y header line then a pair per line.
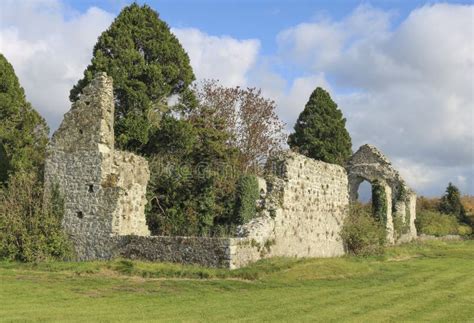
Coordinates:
x,y
249,118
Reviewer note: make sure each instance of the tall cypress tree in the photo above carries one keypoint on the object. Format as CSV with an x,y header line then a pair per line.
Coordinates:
x,y
320,131
147,64
23,132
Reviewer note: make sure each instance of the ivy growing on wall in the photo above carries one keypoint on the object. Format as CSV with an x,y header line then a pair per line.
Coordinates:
x,y
401,226
247,195
379,202
402,193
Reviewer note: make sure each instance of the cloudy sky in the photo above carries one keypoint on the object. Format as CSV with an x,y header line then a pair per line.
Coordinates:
x,y
401,71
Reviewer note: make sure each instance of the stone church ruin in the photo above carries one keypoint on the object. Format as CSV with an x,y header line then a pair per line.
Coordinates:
x,y
369,164
304,201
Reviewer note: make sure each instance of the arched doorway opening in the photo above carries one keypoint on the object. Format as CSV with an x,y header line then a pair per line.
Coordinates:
x,y
372,197
364,192
364,196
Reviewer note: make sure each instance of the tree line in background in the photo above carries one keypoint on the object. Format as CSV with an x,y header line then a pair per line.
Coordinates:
x,y
205,143
450,214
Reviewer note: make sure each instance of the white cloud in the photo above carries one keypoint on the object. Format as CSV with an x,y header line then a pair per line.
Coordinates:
x,y
322,43
433,179
50,45
48,52
219,57
292,101
409,89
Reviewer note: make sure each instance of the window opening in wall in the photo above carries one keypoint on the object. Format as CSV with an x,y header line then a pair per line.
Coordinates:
x,y
91,188
364,193
80,215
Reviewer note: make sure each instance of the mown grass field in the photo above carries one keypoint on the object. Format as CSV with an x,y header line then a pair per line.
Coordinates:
x,y
431,281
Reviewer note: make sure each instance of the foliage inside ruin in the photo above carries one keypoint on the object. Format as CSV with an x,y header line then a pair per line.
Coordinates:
x,y
147,64
320,130
23,132
246,197
194,173
363,234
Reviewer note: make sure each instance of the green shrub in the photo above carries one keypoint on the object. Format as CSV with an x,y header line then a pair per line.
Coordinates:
x,y
247,195
30,229
439,224
464,230
362,233
191,191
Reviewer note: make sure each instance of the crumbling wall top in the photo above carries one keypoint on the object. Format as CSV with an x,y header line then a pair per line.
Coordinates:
x,y
369,154
89,123
370,164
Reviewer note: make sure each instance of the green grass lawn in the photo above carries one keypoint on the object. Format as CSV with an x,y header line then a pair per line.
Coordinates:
x,y
431,281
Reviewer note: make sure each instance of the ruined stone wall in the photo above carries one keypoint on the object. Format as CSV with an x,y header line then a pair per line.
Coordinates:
x,y
131,174
305,206
103,189
301,211
205,251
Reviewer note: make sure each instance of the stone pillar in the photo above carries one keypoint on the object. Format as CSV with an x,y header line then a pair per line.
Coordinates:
x,y
389,224
354,183
400,210
411,210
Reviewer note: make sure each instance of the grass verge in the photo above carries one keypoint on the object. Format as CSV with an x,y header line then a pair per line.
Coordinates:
x,y
418,281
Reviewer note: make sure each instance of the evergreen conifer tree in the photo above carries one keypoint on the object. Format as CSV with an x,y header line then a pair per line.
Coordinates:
x,y
320,131
147,64
23,132
451,203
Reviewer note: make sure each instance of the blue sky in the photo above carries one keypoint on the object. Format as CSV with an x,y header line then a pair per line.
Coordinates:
x,y
400,71
261,19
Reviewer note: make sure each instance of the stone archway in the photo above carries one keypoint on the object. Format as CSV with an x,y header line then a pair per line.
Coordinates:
x,y
369,164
